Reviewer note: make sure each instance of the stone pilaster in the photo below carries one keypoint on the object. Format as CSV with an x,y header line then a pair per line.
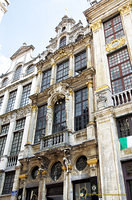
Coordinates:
x,y
42,188
16,183
18,96
49,119
126,15
71,64
32,125
88,53
33,86
90,101
8,145
5,102
39,79
112,183
69,111
53,73
101,64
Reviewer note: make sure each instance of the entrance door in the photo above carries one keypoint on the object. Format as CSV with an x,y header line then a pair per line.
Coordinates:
x,y
85,189
55,192
127,172
32,194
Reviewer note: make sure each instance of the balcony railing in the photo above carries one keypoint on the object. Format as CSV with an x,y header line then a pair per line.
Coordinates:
x,y
122,97
55,140
12,161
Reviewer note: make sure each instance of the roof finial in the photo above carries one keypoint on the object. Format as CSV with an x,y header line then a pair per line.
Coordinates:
x,y
66,11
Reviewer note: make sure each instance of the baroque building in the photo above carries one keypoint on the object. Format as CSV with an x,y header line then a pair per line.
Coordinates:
x,y
66,115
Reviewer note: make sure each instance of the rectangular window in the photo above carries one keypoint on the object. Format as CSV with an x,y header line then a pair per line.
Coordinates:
x,y
46,80
1,101
25,95
4,129
120,71
2,145
113,29
80,61
41,123
11,101
124,126
8,184
81,109
62,71
17,139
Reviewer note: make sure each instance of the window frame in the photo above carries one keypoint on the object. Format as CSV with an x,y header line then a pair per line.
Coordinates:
x,y
1,101
114,32
25,95
30,69
120,66
47,78
80,61
11,101
62,42
17,73
8,182
62,72
81,117
39,131
4,82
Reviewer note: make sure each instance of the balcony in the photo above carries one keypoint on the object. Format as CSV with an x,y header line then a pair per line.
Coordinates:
x,y
122,97
12,161
55,140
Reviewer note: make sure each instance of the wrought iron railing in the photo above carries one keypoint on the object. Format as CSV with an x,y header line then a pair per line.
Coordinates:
x,y
122,97
55,140
12,160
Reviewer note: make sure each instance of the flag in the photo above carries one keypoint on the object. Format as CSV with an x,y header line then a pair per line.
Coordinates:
x,y
125,142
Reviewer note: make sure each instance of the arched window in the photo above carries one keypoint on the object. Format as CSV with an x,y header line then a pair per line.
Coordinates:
x,y
79,37
63,41
30,69
63,29
17,73
59,120
5,81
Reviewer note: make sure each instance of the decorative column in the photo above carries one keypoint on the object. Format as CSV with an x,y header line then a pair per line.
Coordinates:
x,y
18,96
39,80
33,86
5,102
8,145
15,184
90,101
126,15
112,182
88,53
23,177
69,111
42,185
32,125
71,65
49,119
53,73
101,64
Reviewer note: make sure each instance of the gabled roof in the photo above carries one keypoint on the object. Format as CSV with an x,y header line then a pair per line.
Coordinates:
x,y
22,50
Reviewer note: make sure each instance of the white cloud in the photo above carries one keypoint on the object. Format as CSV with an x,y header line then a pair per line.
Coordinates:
x,y
4,62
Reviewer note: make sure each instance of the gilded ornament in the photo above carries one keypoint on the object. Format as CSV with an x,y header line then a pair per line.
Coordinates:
x,y
101,88
96,26
115,44
126,8
23,176
90,83
34,107
39,71
70,167
64,168
92,161
44,172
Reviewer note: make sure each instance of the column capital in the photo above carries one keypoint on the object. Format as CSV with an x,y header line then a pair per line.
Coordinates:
x,y
96,25
90,83
88,45
53,64
34,107
126,8
71,55
39,71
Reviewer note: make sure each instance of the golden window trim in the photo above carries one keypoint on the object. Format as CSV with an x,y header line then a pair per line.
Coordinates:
x,y
120,42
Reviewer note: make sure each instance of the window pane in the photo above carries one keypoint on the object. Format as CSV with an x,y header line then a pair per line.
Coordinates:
x,y
81,109
2,145
30,69
16,144
80,61
8,184
41,123
11,101
63,41
20,124
62,71
124,125
4,129
1,101
25,95
46,80
17,73
113,29
59,121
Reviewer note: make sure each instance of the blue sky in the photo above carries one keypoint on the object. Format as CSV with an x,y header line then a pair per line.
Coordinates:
x,y
34,22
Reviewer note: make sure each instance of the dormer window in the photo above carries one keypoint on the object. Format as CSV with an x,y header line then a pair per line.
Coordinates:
x,y
63,41
30,69
17,73
63,29
5,81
